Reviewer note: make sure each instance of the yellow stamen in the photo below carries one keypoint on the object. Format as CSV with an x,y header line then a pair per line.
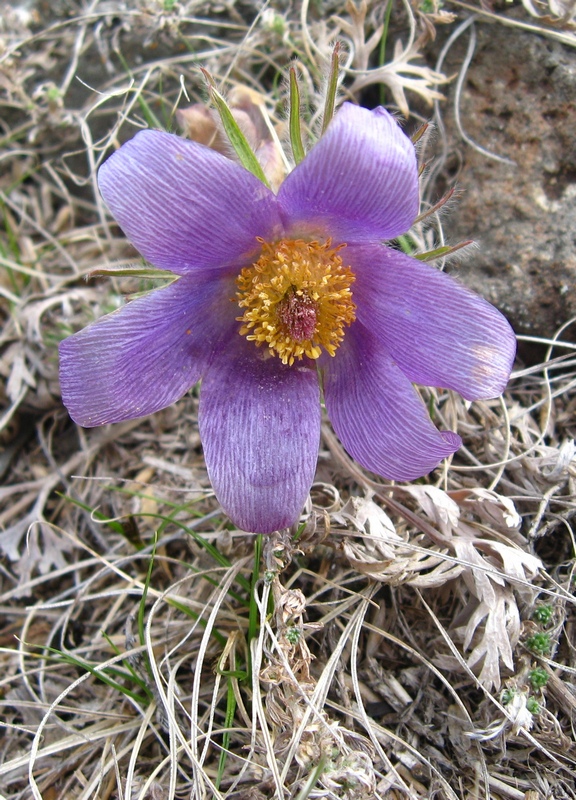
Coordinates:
x,y
297,299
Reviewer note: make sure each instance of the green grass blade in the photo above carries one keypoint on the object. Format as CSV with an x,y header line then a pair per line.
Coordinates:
x,y
295,129
300,531
228,722
142,604
220,638
102,674
150,117
113,524
312,780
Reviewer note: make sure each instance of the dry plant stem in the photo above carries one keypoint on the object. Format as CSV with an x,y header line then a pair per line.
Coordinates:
x,y
365,719
460,83
533,533
566,38
467,23
387,735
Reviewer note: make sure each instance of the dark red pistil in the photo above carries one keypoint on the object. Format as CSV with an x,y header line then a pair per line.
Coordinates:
x,y
298,314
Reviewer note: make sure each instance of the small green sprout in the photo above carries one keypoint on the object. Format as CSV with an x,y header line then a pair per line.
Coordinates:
x,y
293,635
533,705
269,576
53,94
169,5
539,643
507,696
538,677
543,614
275,22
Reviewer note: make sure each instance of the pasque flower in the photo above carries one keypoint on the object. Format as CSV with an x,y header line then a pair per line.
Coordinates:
x,y
279,296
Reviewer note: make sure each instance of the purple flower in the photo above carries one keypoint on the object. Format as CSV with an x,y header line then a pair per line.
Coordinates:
x,y
277,295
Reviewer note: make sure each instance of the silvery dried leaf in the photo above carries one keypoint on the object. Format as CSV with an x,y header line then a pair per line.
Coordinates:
x,y
494,509
500,633
368,517
19,374
438,506
395,75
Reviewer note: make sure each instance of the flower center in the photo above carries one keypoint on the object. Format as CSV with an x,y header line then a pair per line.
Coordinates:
x,y
297,299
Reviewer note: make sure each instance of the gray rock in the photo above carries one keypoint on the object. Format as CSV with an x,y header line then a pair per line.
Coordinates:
x,y
519,100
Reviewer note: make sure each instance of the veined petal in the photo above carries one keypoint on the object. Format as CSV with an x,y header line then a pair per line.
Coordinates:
x,y
260,427
184,206
436,330
377,414
359,183
146,355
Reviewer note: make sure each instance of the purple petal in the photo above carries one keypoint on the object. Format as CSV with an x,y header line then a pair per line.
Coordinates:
x,y
437,331
184,206
377,414
260,428
146,355
358,183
